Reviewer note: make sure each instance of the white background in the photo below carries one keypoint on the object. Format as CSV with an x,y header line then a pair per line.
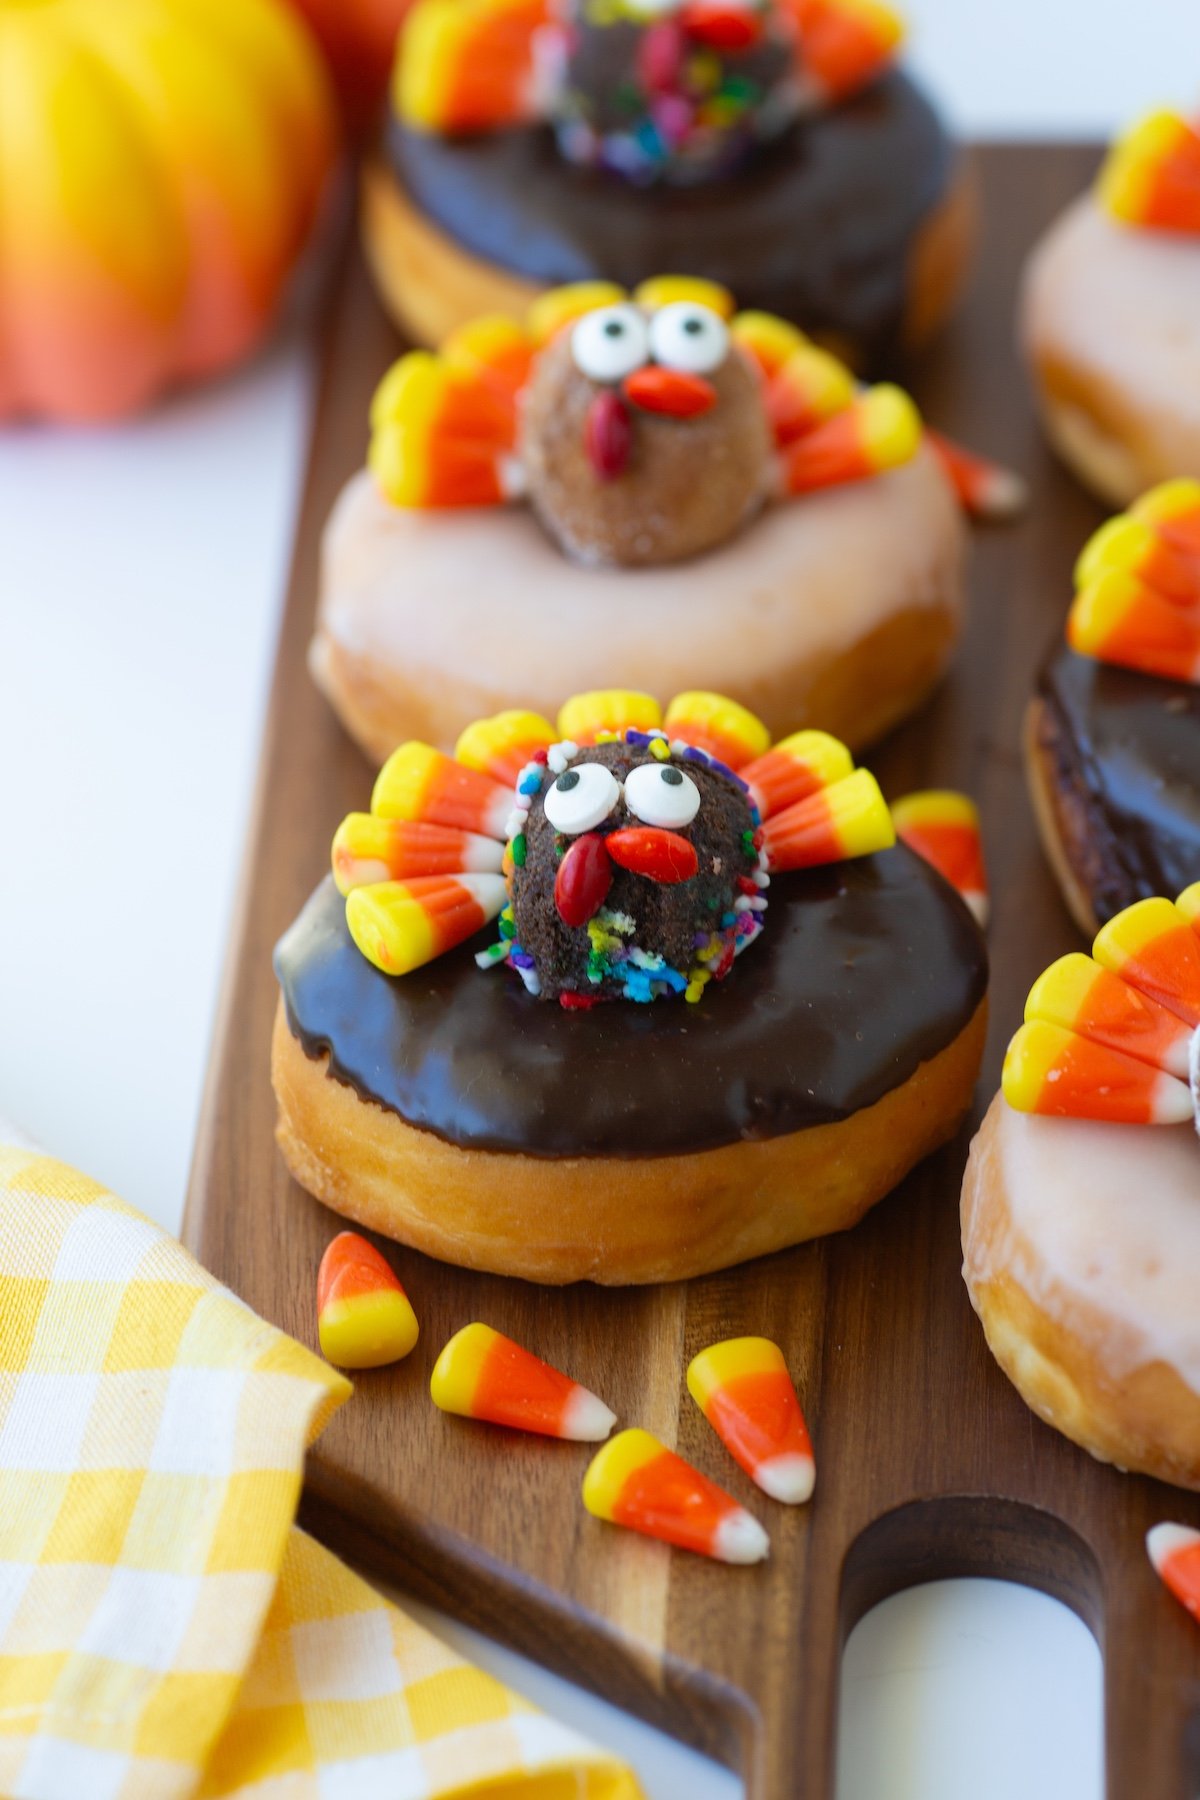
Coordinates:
x,y
141,574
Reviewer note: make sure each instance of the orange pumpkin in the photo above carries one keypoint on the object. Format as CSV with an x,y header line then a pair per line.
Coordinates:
x,y
161,165
359,38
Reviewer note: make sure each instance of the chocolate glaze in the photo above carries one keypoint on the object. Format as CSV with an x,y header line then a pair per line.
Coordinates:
x,y
1126,753
865,971
819,229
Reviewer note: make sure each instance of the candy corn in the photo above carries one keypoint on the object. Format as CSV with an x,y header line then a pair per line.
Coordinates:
x,y
768,341
810,387
1174,1550
364,1318
1083,997
745,1392
584,716
881,430
500,747
561,306
1119,619
1152,946
985,489
1188,904
666,290
846,43
1137,549
368,849
848,819
634,1481
794,768
468,64
1173,508
1152,175
399,925
441,438
713,723
482,1375
494,352
1049,1070
943,827
419,783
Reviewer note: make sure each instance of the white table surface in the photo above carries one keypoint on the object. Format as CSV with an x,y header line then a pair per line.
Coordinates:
x,y
141,576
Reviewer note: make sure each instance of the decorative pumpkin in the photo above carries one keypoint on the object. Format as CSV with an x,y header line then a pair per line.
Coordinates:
x,y
161,165
359,39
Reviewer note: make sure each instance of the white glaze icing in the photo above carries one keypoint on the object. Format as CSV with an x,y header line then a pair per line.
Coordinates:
x,y
1103,1215
483,600
1122,306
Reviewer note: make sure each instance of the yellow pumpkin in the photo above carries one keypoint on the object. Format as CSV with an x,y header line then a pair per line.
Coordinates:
x,y
161,164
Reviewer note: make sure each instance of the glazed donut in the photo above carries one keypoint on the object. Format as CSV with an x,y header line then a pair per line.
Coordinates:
x,y
1111,321
574,1113
707,556
826,191
1112,733
1080,1229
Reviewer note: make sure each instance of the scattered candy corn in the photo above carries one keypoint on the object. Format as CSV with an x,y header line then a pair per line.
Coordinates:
x,y
399,925
468,64
711,722
483,1375
367,849
943,827
768,341
1120,619
419,783
607,709
1152,946
500,747
1135,548
1049,1070
666,290
848,819
1174,1551
810,387
1081,996
985,489
364,1318
634,1481
881,430
745,1392
794,768
846,43
1152,175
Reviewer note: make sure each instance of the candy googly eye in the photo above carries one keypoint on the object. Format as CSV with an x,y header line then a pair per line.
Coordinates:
x,y
610,343
689,337
581,797
660,794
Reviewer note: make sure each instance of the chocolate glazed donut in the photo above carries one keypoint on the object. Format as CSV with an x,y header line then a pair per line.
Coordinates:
x,y
855,224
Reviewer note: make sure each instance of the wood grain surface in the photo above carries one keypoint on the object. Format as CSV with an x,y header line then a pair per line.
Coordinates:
x,y
928,1463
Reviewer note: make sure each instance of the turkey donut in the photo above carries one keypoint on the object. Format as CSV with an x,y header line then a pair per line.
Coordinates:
x,y
766,144
651,482
1112,734
1111,317
1080,1214
718,1010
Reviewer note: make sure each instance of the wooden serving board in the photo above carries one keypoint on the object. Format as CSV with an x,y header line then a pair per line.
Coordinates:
x,y
928,1463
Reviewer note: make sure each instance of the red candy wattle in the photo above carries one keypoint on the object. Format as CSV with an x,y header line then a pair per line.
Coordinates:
x,y
583,880
608,435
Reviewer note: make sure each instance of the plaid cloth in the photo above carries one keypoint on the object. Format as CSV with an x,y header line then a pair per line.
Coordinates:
x,y
165,1630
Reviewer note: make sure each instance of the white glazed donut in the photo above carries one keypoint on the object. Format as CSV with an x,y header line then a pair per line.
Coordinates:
x,y
1111,326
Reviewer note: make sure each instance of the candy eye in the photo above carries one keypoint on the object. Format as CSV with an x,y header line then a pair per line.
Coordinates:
x,y
581,797
690,337
660,794
610,342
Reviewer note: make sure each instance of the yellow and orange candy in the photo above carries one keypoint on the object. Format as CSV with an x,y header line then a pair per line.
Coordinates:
x,y
1174,1552
1152,175
483,1375
743,1388
943,827
637,1482
984,489
849,818
845,44
1137,599
364,1317
879,430
1113,1036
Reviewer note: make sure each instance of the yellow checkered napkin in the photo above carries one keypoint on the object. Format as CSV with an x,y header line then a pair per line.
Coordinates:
x,y
165,1630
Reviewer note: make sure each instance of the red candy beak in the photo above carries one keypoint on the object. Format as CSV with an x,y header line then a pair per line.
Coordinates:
x,y
719,25
650,851
670,391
